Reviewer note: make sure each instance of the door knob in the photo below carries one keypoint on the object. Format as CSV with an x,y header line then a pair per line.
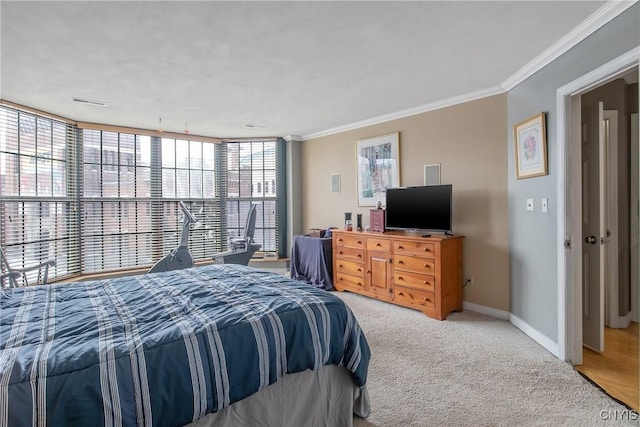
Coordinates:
x,y
590,239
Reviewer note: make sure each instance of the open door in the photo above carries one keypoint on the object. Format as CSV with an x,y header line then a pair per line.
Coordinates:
x,y
594,220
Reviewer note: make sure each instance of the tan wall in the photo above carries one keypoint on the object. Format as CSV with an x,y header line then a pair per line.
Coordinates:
x,y
469,141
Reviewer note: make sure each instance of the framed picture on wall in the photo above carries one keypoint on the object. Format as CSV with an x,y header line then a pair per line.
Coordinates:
x,y
377,168
531,147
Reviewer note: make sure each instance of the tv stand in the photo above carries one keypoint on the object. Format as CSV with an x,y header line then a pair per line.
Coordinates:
x,y
423,273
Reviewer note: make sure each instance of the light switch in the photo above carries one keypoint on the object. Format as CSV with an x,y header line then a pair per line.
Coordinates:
x,y
544,204
530,205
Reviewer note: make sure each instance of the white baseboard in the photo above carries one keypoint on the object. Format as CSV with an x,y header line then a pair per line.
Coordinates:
x,y
483,309
535,335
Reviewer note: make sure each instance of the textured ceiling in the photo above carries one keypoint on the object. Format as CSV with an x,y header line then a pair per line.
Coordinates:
x,y
296,68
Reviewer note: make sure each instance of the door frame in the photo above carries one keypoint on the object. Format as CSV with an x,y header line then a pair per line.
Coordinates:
x,y
569,200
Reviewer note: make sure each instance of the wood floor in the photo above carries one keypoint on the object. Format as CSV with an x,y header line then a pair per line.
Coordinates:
x,y
616,369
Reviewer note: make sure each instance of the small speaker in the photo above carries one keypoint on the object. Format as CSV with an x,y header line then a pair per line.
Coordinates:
x,y
432,174
335,183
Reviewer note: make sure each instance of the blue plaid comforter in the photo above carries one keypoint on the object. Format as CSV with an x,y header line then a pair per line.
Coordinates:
x,y
166,348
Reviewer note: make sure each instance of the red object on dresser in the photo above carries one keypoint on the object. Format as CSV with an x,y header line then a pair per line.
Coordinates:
x,y
376,222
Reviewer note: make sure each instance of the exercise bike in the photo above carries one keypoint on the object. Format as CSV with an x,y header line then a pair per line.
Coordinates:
x,y
179,257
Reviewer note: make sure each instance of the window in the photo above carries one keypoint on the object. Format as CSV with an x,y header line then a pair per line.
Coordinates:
x,y
138,219
250,166
102,199
38,202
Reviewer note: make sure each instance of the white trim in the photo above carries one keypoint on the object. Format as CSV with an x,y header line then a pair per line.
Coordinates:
x,y
290,138
534,334
497,90
483,309
602,16
568,314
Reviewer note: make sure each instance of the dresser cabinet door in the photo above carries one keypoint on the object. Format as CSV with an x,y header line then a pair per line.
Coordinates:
x,y
378,269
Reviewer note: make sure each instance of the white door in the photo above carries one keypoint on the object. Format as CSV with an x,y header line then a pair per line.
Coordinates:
x,y
594,220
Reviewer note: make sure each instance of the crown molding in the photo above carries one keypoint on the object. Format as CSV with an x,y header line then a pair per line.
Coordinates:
x,y
601,17
290,138
497,90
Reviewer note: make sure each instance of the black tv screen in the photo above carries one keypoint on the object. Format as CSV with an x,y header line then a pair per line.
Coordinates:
x,y
419,208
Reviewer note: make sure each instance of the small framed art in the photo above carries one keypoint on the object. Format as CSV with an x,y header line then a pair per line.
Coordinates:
x,y
531,147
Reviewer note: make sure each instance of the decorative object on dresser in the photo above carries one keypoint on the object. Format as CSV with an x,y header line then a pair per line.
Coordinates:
x,y
348,223
424,273
377,220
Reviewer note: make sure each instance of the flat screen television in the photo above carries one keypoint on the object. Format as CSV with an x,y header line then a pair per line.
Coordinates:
x,y
423,208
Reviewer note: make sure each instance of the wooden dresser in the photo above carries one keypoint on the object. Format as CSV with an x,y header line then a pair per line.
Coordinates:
x,y
424,273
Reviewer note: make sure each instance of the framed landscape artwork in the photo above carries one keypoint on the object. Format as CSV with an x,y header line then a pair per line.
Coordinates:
x,y
531,147
378,168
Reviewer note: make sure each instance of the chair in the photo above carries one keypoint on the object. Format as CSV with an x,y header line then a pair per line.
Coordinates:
x,y
18,276
241,249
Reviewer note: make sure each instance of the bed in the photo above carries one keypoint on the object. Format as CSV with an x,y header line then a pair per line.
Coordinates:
x,y
221,344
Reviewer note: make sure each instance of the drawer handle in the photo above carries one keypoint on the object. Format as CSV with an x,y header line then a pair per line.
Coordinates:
x,y
378,244
359,242
359,256
400,294
400,247
340,240
340,252
427,266
400,278
359,269
400,262
340,266
425,282
427,300
427,250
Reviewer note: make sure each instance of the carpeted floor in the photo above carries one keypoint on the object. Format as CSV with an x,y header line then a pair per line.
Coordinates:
x,y
470,370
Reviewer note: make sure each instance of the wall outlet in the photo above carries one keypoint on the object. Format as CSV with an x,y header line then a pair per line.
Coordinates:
x,y
468,282
545,204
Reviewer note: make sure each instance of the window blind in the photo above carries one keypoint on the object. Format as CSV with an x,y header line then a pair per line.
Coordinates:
x,y
38,191
132,186
97,198
252,173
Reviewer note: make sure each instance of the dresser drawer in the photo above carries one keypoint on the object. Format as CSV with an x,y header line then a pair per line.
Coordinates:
x,y
415,264
349,254
383,245
416,280
417,248
350,240
349,267
415,297
348,281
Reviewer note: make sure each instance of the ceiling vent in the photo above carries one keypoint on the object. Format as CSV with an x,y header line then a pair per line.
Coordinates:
x,y
90,102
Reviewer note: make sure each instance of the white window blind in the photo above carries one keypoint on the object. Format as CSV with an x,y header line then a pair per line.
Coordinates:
x,y
38,191
252,172
132,186
100,198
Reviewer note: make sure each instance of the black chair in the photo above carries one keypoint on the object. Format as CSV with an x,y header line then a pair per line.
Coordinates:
x,y
241,249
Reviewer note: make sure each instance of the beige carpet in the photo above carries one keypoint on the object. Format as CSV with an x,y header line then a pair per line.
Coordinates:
x,y
470,370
